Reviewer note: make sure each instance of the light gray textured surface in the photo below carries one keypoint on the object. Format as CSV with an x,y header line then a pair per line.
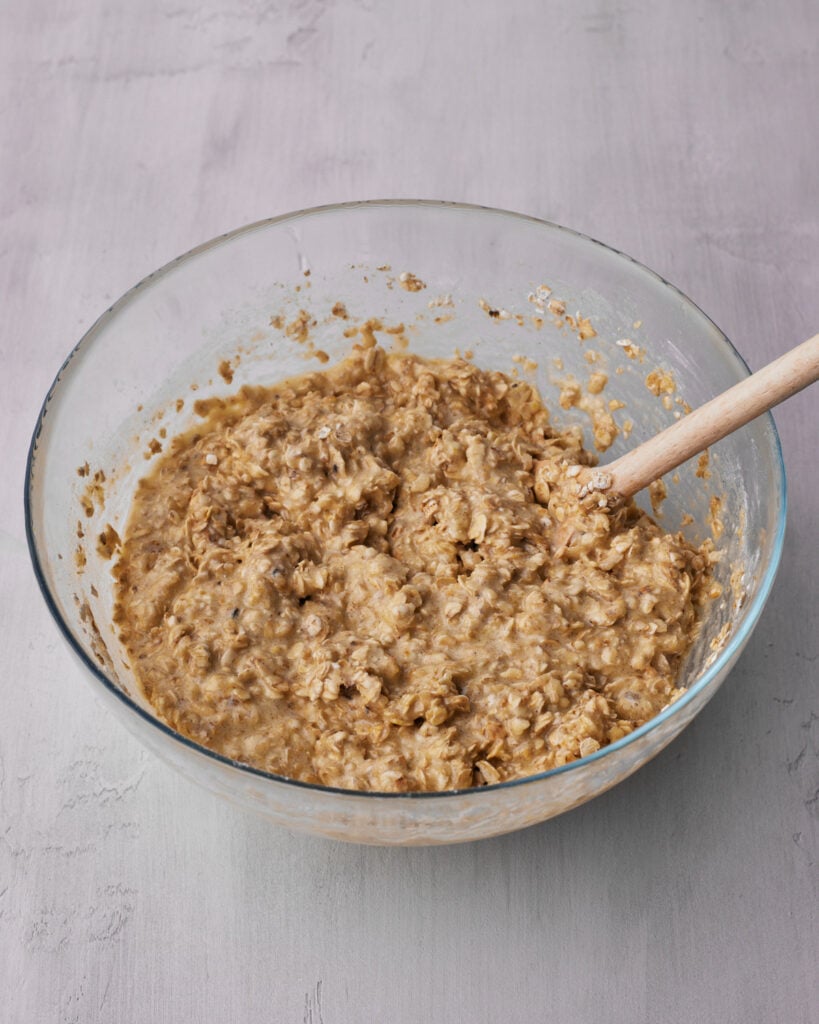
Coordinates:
x,y
684,134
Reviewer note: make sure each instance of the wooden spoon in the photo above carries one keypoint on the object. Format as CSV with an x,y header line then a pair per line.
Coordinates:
x,y
709,423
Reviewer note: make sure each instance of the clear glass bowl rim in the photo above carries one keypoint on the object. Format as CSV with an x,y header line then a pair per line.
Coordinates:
x,y
714,670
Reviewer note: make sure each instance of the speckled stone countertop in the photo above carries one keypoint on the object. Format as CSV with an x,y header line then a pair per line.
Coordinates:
x,y
683,134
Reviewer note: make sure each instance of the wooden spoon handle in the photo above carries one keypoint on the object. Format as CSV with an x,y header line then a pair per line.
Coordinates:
x,y
714,420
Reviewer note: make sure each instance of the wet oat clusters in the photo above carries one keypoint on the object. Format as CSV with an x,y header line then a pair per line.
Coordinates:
x,y
380,577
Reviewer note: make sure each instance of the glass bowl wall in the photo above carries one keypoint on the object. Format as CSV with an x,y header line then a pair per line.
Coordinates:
x,y
165,339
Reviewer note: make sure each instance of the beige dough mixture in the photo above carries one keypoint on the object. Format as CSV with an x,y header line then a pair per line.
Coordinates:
x,y
379,577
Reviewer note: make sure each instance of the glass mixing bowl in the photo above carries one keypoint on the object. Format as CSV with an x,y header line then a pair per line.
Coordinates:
x,y
165,339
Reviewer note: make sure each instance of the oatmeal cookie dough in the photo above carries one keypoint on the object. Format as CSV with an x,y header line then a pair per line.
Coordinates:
x,y
379,577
